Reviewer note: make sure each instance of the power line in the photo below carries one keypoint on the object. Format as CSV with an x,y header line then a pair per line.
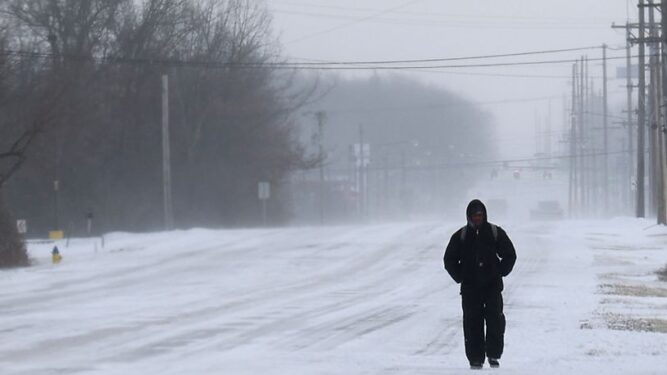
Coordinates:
x,y
358,20
478,57
283,65
500,75
534,24
487,163
440,106
417,67
301,5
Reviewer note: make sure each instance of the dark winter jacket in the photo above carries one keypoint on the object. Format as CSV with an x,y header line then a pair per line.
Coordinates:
x,y
479,261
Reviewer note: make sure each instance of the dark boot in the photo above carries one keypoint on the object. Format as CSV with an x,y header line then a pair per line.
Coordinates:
x,y
476,365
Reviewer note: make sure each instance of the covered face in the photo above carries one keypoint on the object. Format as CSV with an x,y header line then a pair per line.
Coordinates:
x,y
476,213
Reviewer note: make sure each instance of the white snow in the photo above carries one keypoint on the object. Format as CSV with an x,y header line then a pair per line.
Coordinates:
x,y
331,300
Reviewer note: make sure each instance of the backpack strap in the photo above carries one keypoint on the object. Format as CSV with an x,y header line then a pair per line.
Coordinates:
x,y
494,230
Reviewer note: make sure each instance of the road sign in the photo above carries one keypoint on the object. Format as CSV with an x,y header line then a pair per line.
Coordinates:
x,y
264,190
56,235
362,154
22,226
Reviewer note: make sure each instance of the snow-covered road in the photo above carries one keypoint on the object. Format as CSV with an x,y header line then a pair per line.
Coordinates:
x,y
333,300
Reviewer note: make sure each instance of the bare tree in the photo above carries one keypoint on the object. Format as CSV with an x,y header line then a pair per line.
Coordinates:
x,y
28,105
234,115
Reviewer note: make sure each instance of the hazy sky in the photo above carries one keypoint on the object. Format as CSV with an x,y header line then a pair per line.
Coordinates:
x,y
347,30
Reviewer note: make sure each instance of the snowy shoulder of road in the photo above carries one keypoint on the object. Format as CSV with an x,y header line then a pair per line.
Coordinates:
x,y
584,297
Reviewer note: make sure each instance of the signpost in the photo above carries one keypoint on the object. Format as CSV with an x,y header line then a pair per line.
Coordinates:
x,y
22,226
89,223
362,155
264,193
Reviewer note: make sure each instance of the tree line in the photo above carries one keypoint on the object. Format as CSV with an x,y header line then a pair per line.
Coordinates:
x,y
81,113
80,83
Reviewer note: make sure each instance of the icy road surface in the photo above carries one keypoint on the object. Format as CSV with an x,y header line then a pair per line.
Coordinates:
x,y
334,300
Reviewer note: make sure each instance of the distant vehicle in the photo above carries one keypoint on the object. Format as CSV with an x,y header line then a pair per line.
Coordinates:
x,y
497,206
547,210
517,174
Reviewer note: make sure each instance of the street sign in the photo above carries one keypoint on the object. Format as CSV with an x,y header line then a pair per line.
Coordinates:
x,y
264,190
56,235
622,72
22,226
362,154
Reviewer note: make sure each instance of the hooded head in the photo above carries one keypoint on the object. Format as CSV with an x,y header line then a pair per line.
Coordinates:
x,y
476,213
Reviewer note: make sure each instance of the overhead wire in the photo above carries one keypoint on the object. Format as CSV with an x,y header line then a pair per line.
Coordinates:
x,y
453,24
288,65
301,5
488,163
355,21
443,59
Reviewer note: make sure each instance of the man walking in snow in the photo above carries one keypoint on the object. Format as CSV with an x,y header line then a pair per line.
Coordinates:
x,y
478,256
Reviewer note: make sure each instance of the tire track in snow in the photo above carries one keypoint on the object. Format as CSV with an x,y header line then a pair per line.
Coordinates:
x,y
282,321
195,315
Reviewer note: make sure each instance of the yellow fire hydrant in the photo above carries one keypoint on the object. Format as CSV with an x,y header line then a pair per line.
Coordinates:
x,y
55,255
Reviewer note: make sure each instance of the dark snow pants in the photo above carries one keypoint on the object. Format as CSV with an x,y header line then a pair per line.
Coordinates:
x,y
479,306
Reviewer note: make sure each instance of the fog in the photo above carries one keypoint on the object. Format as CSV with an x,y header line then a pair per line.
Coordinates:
x,y
342,111
274,186
529,106
434,29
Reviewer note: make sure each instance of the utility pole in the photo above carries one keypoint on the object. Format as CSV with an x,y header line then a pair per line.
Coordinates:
x,y
590,160
641,120
362,173
538,134
321,117
581,140
630,168
403,196
630,111
663,123
654,179
657,142
605,147
166,156
547,140
573,161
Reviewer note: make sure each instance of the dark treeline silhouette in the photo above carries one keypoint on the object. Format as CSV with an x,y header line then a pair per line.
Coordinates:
x,y
100,63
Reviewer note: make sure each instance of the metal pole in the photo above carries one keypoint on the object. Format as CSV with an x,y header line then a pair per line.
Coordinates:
x,y
657,145
663,122
56,204
166,156
547,138
605,176
630,124
654,181
580,139
321,115
641,121
362,173
573,161
404,194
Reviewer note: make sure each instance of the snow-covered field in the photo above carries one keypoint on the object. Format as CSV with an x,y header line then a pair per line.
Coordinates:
x,y
582,299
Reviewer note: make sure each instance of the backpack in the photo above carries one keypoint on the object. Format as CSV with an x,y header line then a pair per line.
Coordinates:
x,y
494,230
